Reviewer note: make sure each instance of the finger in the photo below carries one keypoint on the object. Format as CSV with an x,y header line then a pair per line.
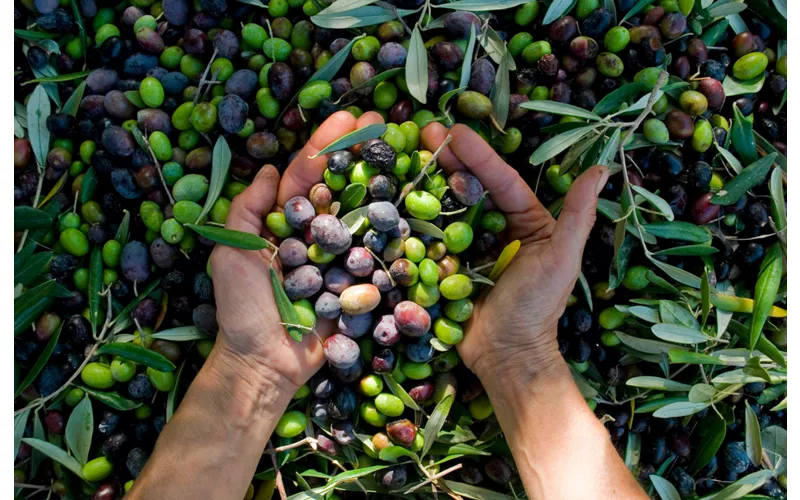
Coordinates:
x,y
304,172
579,212
249,209
368,118
433,135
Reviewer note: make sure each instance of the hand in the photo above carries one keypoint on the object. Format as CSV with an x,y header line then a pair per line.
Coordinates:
x,y
512,331
249,321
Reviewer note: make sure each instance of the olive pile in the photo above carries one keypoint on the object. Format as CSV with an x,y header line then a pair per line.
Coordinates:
x,y
141,91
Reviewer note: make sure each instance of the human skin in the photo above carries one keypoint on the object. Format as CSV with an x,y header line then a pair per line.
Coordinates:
x,y
212,445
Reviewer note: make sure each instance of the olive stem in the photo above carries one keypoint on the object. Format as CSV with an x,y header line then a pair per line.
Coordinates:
x,y
383,265
278,477
309,441
424,170
158,169
391,7
433,478
36,487
205,74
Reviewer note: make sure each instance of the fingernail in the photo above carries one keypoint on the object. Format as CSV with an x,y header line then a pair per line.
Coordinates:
x,y
601,182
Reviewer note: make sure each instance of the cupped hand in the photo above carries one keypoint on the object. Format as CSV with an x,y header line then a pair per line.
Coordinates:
x,y
250,325
512,331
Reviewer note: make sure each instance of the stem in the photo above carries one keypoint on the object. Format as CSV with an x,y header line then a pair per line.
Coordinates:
x,y
434,478
205,74
158,168
278,477
424,170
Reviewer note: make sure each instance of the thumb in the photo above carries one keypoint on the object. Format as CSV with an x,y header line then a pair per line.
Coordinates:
x,y
250,208
579,212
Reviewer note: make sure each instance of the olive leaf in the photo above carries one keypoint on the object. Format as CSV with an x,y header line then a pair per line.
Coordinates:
x,y
655,404
355,219
688,250
59,78
124,228
220,163
701,393
357,18
663,384
768,147
373,131
31,267
720,9
398,391
230,237
742,137
658,202
575,152
619,264
286,310
139,355
555,145
78,432
774,444
710,432
474,492
72,105
693,358
392,453
673,313
557,9
679,230
678,274
466,67
444,99
746,484
172,396
733,86
111,399
614,99
647,346
495,47
769,280
435,423
76,14
55,453
770,394
20,421
31,304
31,218
587,291
351,197
481,5
95,286
680,409
734,162
425,227
778,200
748,178
38,133
123,314
752,436
679,334
345,5
639,141
34,36
181,334
334,64
47,70
559,108
610,149
638,7
417,67
88,185
644,313
504,260
633,451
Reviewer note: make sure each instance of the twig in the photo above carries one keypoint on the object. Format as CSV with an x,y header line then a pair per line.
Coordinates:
x,y
205,74
391,7
37,487
355,479
407,189
434,478
309,440
158,168
383,265
278,477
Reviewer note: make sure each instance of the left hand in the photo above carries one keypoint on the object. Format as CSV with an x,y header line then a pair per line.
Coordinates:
x,y
249,321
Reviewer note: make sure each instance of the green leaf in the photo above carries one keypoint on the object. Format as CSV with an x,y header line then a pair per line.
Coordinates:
x,y
633,451
351,197
587,291
41,361
688,250
135,98
417,67
380,77
741,377
111,399
701,393
373,131
220,163
646,382
747,179
31,218
619,264
31,304
254,3
139,355
95,286
780,6
345,5
181,334
466,68
435,423
682,409
644,313
76,14
742,137
172,396
78,433
482,5
720,9
20,421
768,147
769,280
38,433
679,334
559,108
774,442
475,492
317,493
424,227
559,143
356,18
557,9
355,218
72,105
734,162
613,100
710,434
445,99
88,185
392,453
770,394
778,200
679,230
38,133
752,436
35,36
746,484
640,141
586,389
59,78
31,268
658,202
705,296
460,448
334,64
646,345
637,7
495,47
285,308
679,275
398,391
659,402
230,237
124,229
674,313
55,453
501,92
610,149
733,86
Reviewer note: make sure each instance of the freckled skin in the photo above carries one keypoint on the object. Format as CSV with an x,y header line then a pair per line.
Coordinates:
x,y
412,319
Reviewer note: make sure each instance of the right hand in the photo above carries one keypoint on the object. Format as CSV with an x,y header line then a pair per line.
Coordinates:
x,y
512,331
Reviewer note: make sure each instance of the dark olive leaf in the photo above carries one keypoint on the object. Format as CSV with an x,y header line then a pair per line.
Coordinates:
x,y
220,163
34,36
31,268
31,304
656,403
435,423
705,296
286,310
721,10
460,448
41,361
619,264
352,196
124,229
494,46
679,230
609,209
771,351
559,128
658,202
466,68
398,391
334,64
230,237
575,153
139,355
48,70
557,9
752,436
734,162
123,314
356,18
679,275
172,396
769,280
355,218
254,3
591,156
639,141
73,103
768,147
417,68
637,7
613,100
475,492
393,453
76,14
20,421
380,77
59,78
181,334
610,149
680,409
335,481
771,393
559,143
587,291
733,86
742,137
135,98
556,207
373,131
38,133
746,484
55,453
688,250
39,433
750,177
633,451
111,399
560,108
662,384
88,185
774,443
710,432
778,200
444,108
22,256
79,429
95,286
474,213
425,227
57,187
481,5
646,345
